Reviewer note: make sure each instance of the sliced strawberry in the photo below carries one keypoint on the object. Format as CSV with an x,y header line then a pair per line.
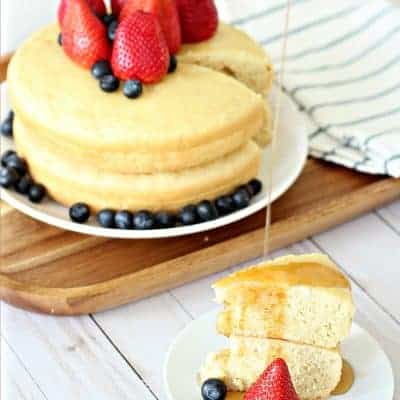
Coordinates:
x,y
84,36
140,50
116,6
274,384
198,18
167,13
61,11
98,7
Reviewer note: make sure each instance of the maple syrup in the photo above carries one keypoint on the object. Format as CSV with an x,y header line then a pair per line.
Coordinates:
x,y
346,380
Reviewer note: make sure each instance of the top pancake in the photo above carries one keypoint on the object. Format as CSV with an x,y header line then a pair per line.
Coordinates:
x,y
195,106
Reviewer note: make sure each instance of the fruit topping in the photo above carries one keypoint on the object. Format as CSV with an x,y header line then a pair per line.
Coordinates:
x,y
101,68
18,164
274,384
165,220
24,184
241,198
140,50
133,89
214,389
143,220
254,187
109,83
79,212
111,30
7,125
173,63
8,177
36,193
188,215
106,218
98,7
117,5
206,211
167,14
84,36
198,19
225,205
7,156
123,219
108,19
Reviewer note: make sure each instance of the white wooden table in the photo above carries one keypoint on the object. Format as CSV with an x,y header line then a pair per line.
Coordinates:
x,y
119,354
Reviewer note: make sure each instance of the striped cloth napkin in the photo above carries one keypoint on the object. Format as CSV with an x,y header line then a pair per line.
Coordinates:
x,y
343,71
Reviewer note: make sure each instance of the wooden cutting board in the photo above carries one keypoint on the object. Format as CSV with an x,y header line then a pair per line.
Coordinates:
x,y
53,271
49,270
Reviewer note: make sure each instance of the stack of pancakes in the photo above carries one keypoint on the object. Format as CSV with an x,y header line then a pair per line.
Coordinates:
x,y
297,308
196,135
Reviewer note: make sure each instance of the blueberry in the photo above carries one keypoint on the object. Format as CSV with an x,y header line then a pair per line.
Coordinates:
x,y
111,30
123,220
241,198
36,193
133,89
254,186
101,68
165,220
7,125
59,39
206,211
225,205
109,83
143,220
18,164
188,215
173,63
213,389
108,18
6,156
24,184
79,212
8,177
106,218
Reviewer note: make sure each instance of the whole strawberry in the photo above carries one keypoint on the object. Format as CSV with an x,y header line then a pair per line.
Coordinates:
x,y
198,18
84,36
274,384
140,50
97,6
167,13
116,6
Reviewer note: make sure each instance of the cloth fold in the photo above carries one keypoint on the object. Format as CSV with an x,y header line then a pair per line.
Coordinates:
x,y
342,70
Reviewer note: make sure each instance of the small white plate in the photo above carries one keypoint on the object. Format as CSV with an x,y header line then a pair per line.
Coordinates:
x,y
289,160
373,372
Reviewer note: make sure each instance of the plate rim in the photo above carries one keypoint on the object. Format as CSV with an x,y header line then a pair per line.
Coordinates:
x,y
43,216
214,312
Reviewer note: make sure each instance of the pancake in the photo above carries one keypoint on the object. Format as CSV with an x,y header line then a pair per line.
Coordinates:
x,y
190,118
70,183
236,54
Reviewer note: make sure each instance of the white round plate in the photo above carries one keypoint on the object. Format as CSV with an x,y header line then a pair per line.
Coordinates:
x,y
373,372
289,160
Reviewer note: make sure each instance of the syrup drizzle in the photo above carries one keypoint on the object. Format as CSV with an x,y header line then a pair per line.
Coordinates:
x,y
278,105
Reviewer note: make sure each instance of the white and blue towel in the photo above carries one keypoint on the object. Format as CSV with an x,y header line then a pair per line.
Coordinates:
x,y
343,71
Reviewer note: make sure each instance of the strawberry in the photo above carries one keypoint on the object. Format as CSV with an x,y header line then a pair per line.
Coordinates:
x,y
140,50
116,6
274,384
97,6
198,18
84,36
167,14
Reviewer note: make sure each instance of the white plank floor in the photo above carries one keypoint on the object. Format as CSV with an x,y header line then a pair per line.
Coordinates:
x,y
119,354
